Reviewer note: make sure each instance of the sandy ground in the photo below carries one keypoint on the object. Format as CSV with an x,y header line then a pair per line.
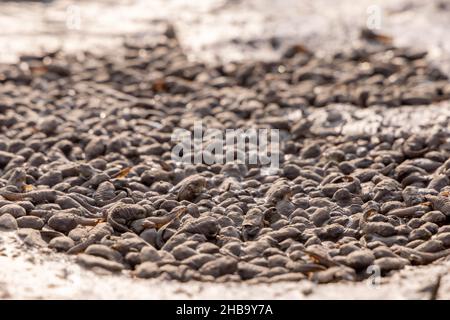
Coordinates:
x,y
28,273
212,31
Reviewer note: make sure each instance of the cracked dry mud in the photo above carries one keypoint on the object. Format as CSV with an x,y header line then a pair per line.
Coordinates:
x,y
86,169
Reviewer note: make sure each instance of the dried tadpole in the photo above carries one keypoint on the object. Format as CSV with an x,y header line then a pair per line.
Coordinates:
x,y
420,258
348,183
440,203
415,146
96,147
122,173
36,196
8,222
66,221
334,274
190,187
121,214
219,267
360,259
388,241
410,212
320,256
89,261
161,225
349,199
105,194
87,203
387,264
95,234
305,268
253,222
280,190
206,226
68,203
370,35
18,178
159,222
383,229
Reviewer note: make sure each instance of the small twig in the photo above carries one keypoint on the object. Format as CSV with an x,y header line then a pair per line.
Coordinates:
x,y
435,288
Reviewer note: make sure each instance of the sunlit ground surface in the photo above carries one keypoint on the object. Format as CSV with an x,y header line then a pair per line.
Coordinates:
x,y
33,274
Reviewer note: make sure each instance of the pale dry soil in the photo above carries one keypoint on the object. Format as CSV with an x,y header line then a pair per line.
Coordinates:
x,y
212,31
29,273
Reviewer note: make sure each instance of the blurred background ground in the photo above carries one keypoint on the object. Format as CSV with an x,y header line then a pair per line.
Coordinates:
x,y
211,31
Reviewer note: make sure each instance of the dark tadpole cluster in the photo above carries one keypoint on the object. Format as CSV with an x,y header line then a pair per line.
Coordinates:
x,y
86,169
